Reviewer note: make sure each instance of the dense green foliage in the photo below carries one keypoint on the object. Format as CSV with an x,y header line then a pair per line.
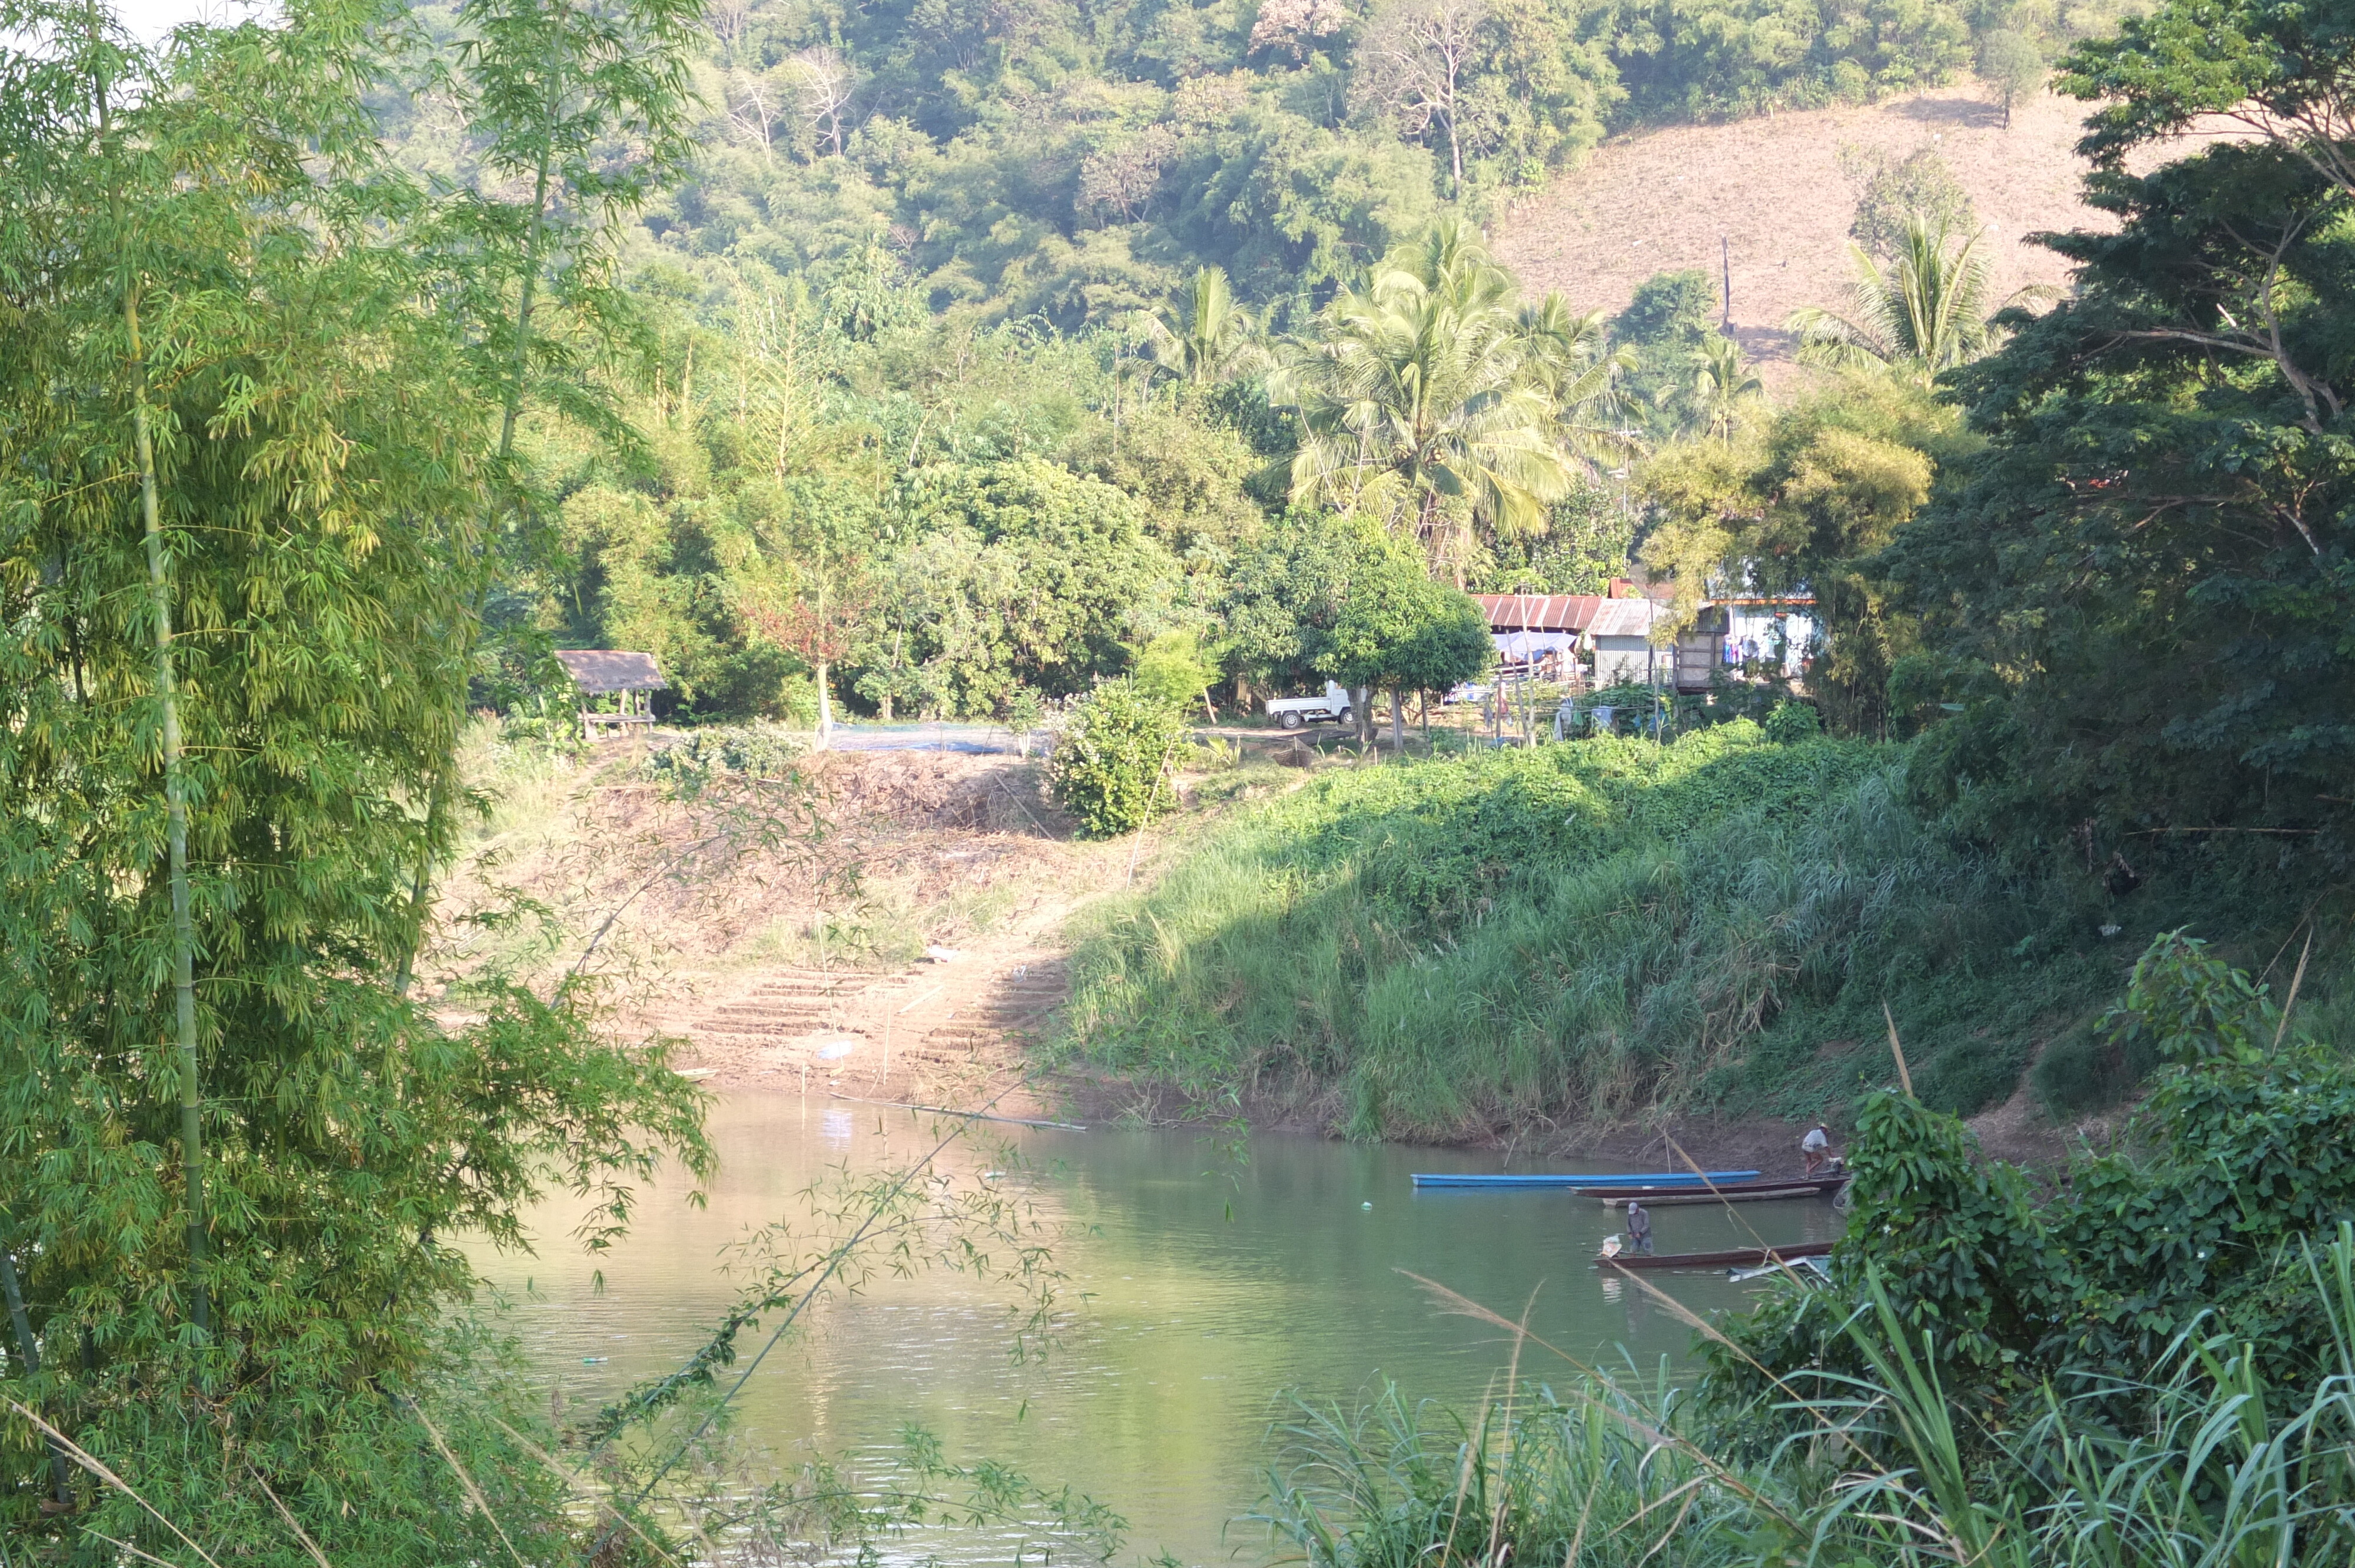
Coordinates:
x,y
922,393
946,517
2140,587
2194,1223
1111,764
1582,928
1075,164
1802,501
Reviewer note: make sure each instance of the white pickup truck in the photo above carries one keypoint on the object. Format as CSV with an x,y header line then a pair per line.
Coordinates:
x,y
1294,712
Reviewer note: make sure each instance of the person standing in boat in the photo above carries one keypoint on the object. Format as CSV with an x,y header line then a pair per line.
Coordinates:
x,y
1639,1227
1815,1150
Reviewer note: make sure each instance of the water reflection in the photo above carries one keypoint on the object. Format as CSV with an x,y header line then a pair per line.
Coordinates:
x,y
1209,1289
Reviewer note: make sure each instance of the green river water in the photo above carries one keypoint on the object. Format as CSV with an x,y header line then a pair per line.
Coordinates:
x,y
1203,1289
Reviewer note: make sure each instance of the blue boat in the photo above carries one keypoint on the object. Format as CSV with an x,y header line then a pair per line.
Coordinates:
x,y
1642,1179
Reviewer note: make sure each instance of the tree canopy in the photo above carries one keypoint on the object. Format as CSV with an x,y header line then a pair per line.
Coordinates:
x,y
2136,586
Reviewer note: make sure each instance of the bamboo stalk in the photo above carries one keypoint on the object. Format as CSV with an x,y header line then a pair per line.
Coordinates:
x,y
175,802
29,1352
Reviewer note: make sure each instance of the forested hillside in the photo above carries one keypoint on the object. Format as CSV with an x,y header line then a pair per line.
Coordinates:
x,y
1071,162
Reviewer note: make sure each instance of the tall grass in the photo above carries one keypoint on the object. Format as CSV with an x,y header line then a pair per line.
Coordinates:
x,y
1605,927
2201,1463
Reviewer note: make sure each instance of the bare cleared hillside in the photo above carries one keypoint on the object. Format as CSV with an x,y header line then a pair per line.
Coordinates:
x,y
1772,191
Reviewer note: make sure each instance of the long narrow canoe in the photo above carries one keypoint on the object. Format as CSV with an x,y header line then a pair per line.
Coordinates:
x,y
1738,1257
1639,1179
1717,1193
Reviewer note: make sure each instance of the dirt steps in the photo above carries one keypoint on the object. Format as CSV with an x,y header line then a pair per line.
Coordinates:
x,y
936,1019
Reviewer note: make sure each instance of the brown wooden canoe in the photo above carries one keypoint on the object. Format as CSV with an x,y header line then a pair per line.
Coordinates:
x,y
1738,1257
1723,1193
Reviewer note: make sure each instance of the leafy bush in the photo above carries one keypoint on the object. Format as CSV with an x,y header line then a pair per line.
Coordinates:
x,y
2237,1157
1110,767
551,735
1172,670
753,750
1793,722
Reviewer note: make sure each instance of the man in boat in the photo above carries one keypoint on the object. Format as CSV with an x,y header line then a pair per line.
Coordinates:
x,y
1815,1148
1639,1227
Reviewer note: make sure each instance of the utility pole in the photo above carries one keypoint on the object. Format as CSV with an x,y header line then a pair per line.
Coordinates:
x,y
1725,260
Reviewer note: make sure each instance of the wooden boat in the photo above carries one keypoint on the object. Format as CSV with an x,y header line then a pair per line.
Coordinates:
x,y
1716,1192
1638,1180
1738,1257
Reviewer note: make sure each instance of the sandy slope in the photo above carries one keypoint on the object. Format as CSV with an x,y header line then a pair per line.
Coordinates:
x,y
1771,194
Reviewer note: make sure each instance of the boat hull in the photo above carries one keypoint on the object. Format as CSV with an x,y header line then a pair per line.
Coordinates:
x,y
1731,1192
1738,1257
1638,1180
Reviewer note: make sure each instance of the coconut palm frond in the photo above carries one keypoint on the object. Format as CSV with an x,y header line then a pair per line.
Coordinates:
x,y
1203,335
1723,386
1479,409
1925,311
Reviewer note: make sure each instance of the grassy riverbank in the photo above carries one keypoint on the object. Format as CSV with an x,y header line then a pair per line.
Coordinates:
x,y
1439,949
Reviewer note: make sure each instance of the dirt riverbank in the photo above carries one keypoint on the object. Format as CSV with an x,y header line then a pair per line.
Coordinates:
x,y
892,928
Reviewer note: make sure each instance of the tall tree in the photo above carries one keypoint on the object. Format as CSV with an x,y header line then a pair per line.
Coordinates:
x,y
1414,64
1420,394
2011,64
2139,593
247,463
550,92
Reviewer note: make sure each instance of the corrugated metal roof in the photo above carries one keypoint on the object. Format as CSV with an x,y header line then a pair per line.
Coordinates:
x,y
1623,617
608,670
1537,612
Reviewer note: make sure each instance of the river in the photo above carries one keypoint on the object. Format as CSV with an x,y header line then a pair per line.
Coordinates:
x,y
1202,1288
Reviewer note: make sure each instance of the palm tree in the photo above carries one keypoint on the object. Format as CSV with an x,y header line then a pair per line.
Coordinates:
x,y
1571,357
1202,335
1926,313
1722,384
1427,393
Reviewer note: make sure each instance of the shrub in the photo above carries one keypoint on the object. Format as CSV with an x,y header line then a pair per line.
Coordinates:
x,y
1110,766
754,750
1793,722
2193,1219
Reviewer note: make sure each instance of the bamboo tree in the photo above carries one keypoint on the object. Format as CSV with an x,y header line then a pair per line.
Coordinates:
x,y
97,54
548,87
241,451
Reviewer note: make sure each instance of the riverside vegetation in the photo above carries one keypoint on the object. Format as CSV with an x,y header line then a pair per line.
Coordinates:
x,y
306,453
2156,1365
